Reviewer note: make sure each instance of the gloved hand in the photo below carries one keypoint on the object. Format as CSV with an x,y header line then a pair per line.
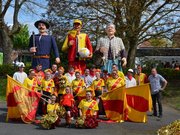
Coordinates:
x,y
161,89
124,61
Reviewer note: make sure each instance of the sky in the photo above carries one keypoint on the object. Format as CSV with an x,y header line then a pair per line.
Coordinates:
x,y
26,18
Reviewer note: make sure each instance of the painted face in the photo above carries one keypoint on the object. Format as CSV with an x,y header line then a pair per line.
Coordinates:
x,y
54,68
78,75
77,26
97,75
114,67
110,30
42,27
88,95
53,99
39,67
71,70
139,69
48,75
68,90
60,72
114,74
32,74
87,72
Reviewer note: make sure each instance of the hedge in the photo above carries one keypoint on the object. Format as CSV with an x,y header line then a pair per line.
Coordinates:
x,y
169,74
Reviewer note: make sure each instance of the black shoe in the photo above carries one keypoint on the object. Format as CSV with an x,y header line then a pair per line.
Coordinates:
x,y
160,116
155,115
68,126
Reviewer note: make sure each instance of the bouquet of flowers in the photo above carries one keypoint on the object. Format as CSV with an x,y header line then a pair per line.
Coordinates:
x,y
171,129
62,82
49,120
61,112
80,122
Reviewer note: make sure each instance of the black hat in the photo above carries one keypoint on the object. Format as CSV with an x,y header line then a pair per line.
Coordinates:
x,y
41,21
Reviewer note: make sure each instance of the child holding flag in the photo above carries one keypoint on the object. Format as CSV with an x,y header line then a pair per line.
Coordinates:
x,y
47,87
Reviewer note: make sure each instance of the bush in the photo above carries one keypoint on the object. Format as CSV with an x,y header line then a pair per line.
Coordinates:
x,y
10,70
169,74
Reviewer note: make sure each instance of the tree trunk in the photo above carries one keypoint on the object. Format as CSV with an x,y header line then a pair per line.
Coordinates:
x,y
7,47
132,53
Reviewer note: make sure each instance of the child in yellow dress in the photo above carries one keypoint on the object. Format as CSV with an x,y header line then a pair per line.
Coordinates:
x,y
47,88
51,119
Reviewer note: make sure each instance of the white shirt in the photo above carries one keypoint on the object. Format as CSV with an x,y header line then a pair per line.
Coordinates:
x,y
88,80
93,78
70,77
20,76
54,74
130,83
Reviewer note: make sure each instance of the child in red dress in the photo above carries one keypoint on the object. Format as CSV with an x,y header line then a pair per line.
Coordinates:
x,y
68,102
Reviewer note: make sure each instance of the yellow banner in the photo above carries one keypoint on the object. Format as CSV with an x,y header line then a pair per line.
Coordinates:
x,y
24,101
114,103
138,103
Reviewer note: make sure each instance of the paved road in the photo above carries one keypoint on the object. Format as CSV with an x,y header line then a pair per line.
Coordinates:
x,y
126,128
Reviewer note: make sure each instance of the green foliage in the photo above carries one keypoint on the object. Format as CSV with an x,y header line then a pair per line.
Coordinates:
x,y
3,88
21,39
159,42
169,74
10,70
7,70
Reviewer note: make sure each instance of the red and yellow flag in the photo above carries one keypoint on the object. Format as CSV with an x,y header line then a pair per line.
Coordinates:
x,y
21,102
114,103
138,103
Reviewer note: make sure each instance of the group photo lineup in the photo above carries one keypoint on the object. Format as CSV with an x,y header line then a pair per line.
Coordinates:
x,y
90,67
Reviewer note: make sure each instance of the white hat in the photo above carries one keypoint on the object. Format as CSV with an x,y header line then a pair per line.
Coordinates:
x,y
130,70
21,64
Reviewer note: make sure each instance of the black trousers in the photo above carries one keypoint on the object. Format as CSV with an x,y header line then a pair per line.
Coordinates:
x,y
156,98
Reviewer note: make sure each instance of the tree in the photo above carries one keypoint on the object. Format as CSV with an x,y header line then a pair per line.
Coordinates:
x,y
6,31
21,40
135,20
160,42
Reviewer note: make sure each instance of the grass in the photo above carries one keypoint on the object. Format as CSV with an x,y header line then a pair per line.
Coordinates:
x,y
171,95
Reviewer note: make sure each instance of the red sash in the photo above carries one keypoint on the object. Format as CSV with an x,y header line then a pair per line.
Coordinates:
x,y
78,87
99,83
116,83
88,112
34,84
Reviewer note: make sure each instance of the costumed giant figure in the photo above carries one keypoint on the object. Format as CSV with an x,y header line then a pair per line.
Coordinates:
x,y
74,43
41,45
112,48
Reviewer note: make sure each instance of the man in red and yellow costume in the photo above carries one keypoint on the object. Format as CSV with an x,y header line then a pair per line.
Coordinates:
x,y
98,85
140,77
31,82
39,74
78,85
115,81
74,42
88,110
